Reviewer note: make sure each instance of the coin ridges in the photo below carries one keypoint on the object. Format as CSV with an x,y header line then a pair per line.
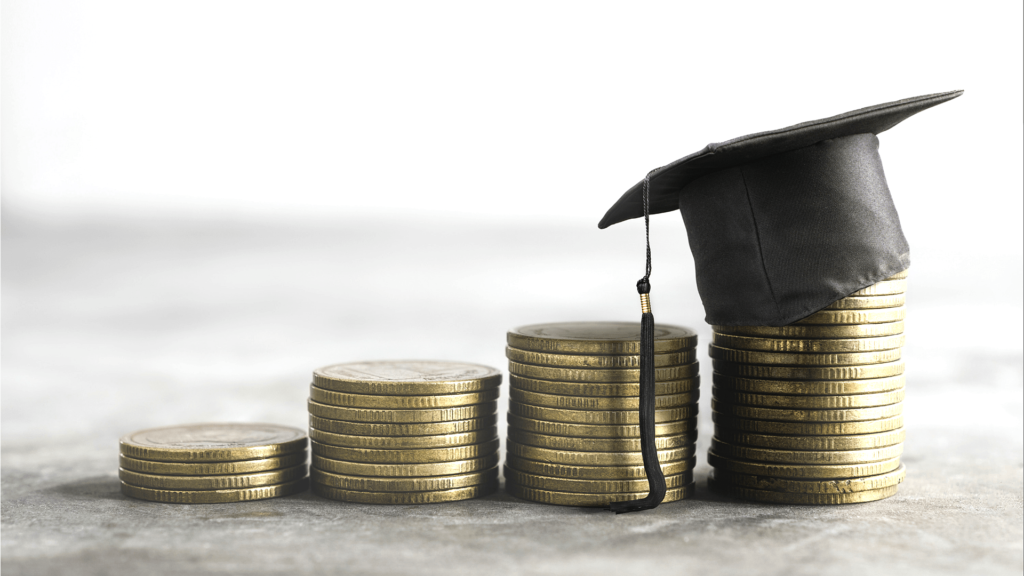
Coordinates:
x,y
801,498
213,442
595,472
834,486
405,456
213,496
413,484
850,442
404,442
727,450
421,429
596,361
402,416
580,444
213,468
803,359
407,377
807,428
613,417
830,402
868,302
809,372
572,458
394,402
600,374
808,346
556,484
607,390
597,430
404,470
788,415
876,316
575,499
598,338
598,402
809,387
811,471
433,497
816,331
224,482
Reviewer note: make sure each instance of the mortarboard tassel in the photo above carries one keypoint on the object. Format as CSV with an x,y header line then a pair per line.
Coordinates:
x,y
648,445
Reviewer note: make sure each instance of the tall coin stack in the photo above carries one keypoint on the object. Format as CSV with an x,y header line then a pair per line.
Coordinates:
x,y
811,413
213,463
404,432
573,420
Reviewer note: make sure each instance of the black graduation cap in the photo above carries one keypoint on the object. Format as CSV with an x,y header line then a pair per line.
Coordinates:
x,y
781,224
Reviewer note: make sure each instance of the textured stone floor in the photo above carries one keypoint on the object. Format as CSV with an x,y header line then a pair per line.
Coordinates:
x,y
110,326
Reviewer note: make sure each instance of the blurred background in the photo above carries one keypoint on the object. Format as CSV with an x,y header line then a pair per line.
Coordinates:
x,y
204,201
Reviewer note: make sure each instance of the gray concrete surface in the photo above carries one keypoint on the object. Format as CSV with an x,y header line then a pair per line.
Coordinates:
x,y
114,325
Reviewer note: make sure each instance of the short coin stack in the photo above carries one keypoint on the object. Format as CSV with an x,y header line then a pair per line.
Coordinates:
x,y
573,420
811,413
213,463
404,432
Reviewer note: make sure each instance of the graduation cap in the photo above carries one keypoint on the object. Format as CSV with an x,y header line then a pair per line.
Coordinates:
x,y
781,224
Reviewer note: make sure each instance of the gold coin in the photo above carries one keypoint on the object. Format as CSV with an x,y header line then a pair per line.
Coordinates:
x,y
484,423
590,486
599,402
809,402
591,361
819,331
598,444
882,288
726,450
593,458
787,359
384,484
813,346
214,496
405,470
810,388
783,415
213,442
407,377
393,402
601,374
590,500
595,472
809,372
597,430
403,442
402,416
807,428
213,468
898,276
406,456
837,486
212,482
801,498
434,497
868,302
598,416
877,316
621,389
814,471
598,338
852,442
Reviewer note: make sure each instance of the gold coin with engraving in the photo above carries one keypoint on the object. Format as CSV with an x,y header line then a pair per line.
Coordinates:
x,y
808,346
163,482
595,361
407,377
852,442
799,497
868,302
786,415
809,402
876,316
807,428
213,442
406,456
598,444
597,430
384,484
422,429
681,372
213,468
898,276
594,472
214,496
598,416
402,416
814,471
590,486
593,458
801,359
809,387
882,288
589,500
599,402
432,497
819,331
809,372
598,338
834,486
610,390
404,470
395,402
403,442
733,451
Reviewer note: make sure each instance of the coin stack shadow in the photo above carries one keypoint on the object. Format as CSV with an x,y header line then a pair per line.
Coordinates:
x,y
811,413
404,432
213,463
573,421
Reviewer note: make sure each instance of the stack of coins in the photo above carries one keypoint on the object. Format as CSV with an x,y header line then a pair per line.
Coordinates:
x,y
811,413
573,420
404,432
213,463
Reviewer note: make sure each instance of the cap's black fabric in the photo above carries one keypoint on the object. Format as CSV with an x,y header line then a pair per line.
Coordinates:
x,y
783,223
